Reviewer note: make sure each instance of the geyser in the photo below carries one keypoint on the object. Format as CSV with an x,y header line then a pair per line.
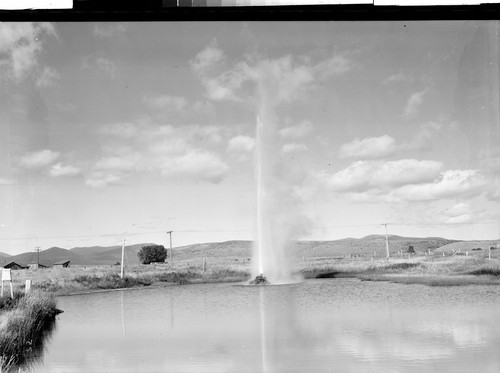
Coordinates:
x,y
279,214
272,230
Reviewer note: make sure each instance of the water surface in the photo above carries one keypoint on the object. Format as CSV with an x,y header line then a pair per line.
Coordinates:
x,y
329,325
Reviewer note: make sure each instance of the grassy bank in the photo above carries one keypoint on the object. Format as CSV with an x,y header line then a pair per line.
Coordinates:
x,y
24,323
76,280
432,271
429,270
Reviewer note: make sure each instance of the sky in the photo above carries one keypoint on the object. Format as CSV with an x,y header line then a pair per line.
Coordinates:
x,y
130,130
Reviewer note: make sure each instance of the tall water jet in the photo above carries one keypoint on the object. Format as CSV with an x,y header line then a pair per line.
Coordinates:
x,y
270,257
279,215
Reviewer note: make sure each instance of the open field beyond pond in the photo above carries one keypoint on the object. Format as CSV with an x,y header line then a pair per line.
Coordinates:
x,y
435,269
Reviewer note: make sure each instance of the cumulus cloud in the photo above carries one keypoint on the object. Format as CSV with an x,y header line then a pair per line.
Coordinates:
x,y
458,213
292,147
196,164
207,58
21,44
408,180
123,163
226,85
290,77
104,64
38,160
101,179
386,146
334,65
398,78
296,131
365,175
369,148
451,184
186,151
240,143
413,103
60,170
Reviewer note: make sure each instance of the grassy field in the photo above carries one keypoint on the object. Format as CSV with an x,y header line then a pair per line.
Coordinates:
x,y
434,269
426,270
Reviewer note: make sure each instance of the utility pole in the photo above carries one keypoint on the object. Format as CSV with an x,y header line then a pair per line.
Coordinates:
x,y
37,249
171,251
123,258
386,242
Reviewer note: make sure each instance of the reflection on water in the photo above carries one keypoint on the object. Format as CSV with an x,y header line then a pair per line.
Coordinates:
x,y
320,325
262,313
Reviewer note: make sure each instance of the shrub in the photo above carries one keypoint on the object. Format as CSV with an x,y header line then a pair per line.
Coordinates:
x,y
152,253
486,272
400,266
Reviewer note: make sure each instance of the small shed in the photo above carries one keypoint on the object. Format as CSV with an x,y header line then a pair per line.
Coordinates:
x,y
14,265
36,266
62,264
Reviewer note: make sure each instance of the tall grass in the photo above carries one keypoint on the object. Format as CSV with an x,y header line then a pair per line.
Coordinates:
x,y
7,303
24,327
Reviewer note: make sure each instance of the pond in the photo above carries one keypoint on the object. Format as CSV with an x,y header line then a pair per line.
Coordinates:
x,y
328,325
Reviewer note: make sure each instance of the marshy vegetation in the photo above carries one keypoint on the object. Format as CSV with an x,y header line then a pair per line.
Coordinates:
x,y
79,280
25,322
425,270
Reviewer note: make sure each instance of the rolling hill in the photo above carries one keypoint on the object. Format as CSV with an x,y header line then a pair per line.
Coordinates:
x,y
464,246
110,254
51,256
242,250
365,246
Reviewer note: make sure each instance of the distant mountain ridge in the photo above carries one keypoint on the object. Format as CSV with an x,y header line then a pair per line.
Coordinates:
x,y
232,250
94,255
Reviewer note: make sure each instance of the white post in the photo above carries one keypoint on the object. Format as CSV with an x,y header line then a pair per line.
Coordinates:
x,y
123,258
27,288
6,276
386,243
171,251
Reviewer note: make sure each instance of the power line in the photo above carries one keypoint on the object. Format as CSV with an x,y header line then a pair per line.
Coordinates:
x,y
243,230
37,249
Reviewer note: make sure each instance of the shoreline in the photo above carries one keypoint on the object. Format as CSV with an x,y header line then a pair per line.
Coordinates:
x,y
25,323
426,270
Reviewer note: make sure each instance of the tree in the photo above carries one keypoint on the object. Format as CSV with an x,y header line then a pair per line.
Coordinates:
x,y
152,253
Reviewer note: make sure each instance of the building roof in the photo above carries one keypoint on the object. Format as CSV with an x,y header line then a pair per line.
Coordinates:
x,y
12,264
